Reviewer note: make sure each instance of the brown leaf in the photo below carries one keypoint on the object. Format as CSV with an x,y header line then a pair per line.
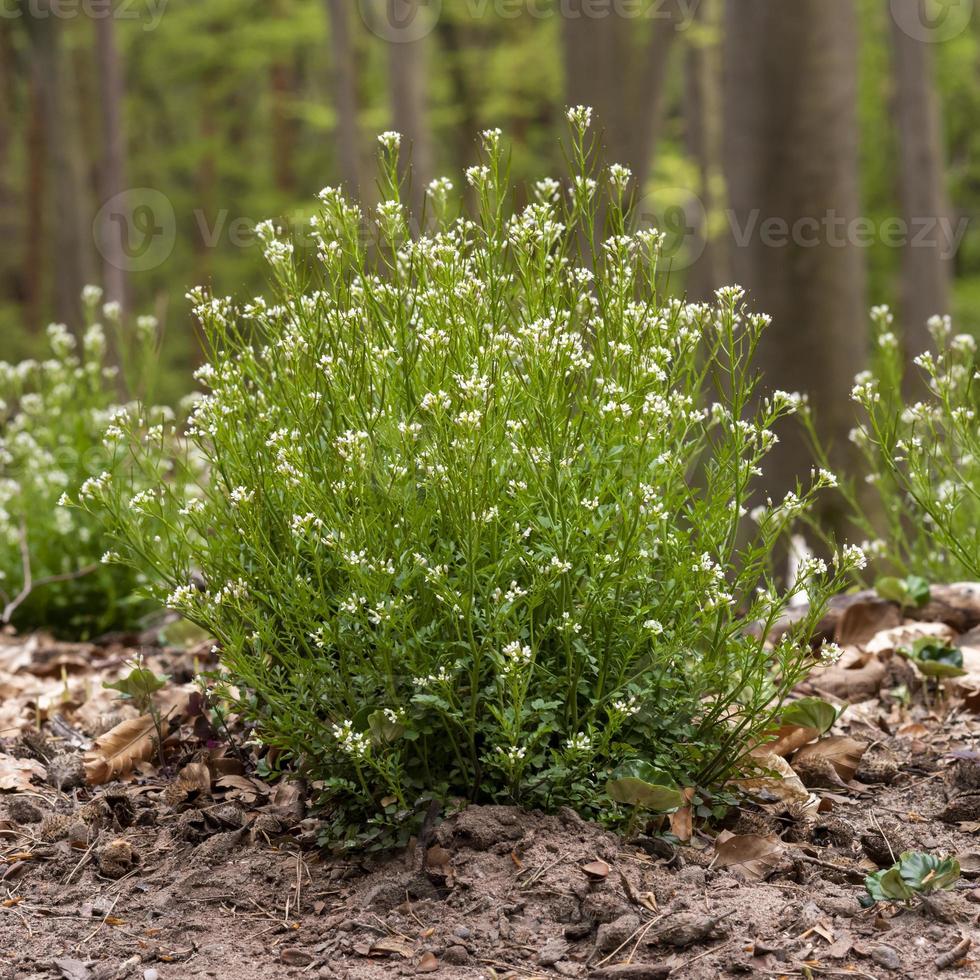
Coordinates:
x,y
752,853
428,963
596,870
115,753
788,738
784,784
862,620
194,779
841,751
392,945
242,788
18,773
682,823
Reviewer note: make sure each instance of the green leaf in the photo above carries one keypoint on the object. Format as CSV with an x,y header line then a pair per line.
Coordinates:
x,y
918,589
911,591
935,658
810,713
927,873
138,684
914,873
637,783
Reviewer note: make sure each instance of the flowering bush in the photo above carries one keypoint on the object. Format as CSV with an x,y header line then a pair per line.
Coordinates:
x,y
923,459
53,416
473,526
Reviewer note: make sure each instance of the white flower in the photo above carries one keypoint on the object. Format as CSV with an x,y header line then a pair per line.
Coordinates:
x,y
390,140
579,743
351,743
580,116
241,495
829,654
851,556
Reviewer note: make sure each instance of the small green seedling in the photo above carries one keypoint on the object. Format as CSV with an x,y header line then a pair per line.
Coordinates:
x,y
935,658
913,874
139,686
913,591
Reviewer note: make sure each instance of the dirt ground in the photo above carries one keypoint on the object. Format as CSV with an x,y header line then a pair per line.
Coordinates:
x,y
194,867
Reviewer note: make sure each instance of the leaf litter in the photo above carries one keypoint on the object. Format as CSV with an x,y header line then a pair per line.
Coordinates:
x,y
122,857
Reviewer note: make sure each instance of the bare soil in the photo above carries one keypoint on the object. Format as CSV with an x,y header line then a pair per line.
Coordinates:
x,y
199,869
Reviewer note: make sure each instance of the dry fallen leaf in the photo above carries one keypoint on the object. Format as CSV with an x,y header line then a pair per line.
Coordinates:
x,y
863,620
242,788
754,854
194,780
393,945
784,785
18,773
115,753
788,738
596,870
428,963
841,751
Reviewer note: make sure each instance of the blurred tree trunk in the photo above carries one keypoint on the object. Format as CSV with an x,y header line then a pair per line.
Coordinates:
x,y
703,125
605,68
348,137
282,81
35,159
791,155
926,266
407,72
454,46
112,176
10,284
72,232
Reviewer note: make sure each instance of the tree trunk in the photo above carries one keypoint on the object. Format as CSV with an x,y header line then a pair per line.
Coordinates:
x,y
703,125
112,182
72,232
347,133
926,264
32,276
606,69
407,73
791,155
282,80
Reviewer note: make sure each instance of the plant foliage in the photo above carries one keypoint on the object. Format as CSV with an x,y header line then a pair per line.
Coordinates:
x,y
474,521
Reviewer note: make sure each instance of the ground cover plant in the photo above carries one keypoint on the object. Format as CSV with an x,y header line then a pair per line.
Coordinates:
x,y
474,517
920,444
53,419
